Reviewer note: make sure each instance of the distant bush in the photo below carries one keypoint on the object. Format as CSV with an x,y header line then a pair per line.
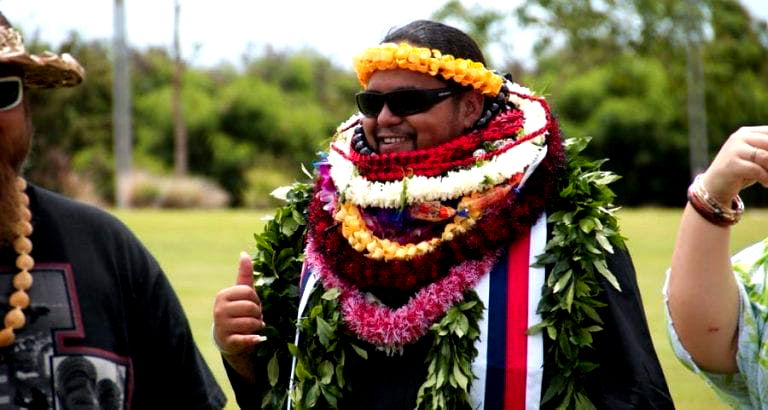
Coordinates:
x,y
261,181
57,173
146,190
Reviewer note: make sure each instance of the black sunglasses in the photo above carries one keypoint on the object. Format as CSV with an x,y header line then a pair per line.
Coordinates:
x,y
11,92
401,102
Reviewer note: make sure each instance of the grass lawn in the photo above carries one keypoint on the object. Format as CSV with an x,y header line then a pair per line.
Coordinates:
x,y
199,252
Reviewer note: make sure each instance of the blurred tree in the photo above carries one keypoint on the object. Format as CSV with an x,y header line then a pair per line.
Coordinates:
x,y
270,116
122,115
736,73
73,126
180,138
484,25
614,70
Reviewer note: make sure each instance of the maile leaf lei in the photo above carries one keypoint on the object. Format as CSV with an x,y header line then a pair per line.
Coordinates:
x,y
584,230
277,265
449,375
320,359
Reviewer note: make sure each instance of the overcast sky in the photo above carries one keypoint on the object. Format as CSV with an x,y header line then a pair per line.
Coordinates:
x,y
212,31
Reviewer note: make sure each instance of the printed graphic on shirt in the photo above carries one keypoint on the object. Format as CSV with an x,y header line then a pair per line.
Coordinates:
x,y
88,382
39,371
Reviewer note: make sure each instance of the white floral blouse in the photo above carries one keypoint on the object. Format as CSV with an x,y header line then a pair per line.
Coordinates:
x,y
747,389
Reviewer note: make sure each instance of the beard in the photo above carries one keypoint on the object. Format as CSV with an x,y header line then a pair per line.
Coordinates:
x,y
12,159
9,204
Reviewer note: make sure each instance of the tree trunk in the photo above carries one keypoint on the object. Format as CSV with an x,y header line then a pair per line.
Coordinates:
x,y
121,108
697,107
180,155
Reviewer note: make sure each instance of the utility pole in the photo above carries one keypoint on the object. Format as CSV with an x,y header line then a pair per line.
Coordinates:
x,y
180,155
121,108
697,106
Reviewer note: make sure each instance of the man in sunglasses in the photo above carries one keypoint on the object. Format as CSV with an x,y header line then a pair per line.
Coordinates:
x,y
432,277
81,298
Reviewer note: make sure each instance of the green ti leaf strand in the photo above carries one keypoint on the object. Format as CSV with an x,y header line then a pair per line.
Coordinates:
x,y
584,231
277,265
449,374
321,354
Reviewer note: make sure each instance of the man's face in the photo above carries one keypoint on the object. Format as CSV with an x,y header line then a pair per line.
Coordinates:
x,y
15,139
387,132
15,131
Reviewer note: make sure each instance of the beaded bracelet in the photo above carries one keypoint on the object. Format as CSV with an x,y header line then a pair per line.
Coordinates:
x,y
710,209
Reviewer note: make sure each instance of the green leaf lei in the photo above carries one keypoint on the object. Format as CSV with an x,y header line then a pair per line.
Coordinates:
x,y
584,230
320,358
277,266
449,375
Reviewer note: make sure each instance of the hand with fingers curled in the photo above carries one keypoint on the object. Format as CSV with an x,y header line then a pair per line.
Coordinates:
x,y
741,162
237,317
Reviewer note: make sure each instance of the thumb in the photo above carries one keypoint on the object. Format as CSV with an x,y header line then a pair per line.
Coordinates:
x,y
245,270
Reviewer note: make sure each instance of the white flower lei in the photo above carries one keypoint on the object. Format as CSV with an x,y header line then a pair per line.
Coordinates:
x,y
521,158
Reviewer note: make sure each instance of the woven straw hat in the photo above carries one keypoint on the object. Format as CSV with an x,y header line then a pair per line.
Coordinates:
x,y
46,70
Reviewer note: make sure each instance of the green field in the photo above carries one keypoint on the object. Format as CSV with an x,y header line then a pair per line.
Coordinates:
x,y
199,252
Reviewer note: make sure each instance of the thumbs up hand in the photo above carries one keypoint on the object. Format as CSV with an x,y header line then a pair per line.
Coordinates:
x,y
244,270
237,314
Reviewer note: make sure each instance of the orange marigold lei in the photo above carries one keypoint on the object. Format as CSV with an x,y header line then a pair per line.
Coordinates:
x,y
361,238
390,56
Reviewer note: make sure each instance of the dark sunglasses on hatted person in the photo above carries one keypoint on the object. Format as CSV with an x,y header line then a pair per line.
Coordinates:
x,y
401,102
11,92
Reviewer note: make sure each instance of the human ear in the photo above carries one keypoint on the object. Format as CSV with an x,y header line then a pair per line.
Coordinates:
x,y
471,108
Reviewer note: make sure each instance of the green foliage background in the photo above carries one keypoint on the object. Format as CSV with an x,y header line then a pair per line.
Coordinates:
x,y
248,129
614,70
611,69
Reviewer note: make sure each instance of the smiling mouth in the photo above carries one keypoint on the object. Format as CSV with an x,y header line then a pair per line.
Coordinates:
x,y
395,143
393,140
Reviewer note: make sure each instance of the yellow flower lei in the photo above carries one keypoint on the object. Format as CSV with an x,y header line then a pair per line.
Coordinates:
x,y
361,239
389,56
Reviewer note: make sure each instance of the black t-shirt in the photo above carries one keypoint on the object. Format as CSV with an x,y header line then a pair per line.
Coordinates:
x,y
104,328
629,375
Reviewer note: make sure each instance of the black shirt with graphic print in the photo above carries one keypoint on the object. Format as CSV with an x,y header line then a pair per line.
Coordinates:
x,y
105,328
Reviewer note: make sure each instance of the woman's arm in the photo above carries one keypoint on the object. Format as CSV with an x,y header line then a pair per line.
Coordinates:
x,y
703,295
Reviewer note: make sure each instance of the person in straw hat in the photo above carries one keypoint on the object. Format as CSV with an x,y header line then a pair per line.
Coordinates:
x,y
76,285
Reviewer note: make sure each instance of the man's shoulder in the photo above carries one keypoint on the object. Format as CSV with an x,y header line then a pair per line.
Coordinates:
x,y
84,229
71,213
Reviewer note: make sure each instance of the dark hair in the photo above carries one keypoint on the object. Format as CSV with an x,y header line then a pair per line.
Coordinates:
x,y
447,39
4,21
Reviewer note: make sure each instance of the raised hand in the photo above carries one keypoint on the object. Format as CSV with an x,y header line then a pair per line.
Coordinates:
x,y
742,161
237,314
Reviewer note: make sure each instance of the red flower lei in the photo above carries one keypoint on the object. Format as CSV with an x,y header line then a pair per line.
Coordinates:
x,y
497,227
453,154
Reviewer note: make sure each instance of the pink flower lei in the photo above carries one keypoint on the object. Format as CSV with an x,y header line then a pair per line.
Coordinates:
x,y
387,328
